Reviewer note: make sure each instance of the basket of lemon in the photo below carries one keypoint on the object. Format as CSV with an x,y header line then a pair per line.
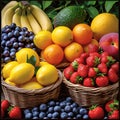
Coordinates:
x,y
27,85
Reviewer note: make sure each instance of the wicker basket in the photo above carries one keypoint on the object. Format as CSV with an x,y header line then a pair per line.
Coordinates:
x,y
87,96
30,98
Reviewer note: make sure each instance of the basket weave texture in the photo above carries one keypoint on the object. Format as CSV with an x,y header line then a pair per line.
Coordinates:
x,y
88,96
31,98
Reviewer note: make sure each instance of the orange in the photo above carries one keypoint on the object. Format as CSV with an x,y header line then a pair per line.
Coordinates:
x,y
53,54
82,33
73,51
62,36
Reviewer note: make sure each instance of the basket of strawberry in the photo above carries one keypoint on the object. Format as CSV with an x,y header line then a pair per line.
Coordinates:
x,y
92,78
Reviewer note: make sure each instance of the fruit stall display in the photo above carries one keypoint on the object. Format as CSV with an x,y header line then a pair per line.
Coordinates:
x,y
60,61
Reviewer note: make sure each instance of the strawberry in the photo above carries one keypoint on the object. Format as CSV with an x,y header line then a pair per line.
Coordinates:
x,y
94,54
104,54
15,112
75,78
84,55
113,115
112,75
102,81
103,68
112,105
92,72
88,82
83,70
68,72
5,104
96,112
92,61
115,66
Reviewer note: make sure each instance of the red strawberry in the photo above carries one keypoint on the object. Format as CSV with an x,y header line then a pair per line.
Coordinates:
x,y
92,72
68,72
88,82
102,81
94,54
113,115
5,104
96,112
84,55
115,66
75,78
83,70
104,54
112,105
15,112
92,61
112,75
103,68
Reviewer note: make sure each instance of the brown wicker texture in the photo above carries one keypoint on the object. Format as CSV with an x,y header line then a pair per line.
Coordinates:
x,y
30,98
87,96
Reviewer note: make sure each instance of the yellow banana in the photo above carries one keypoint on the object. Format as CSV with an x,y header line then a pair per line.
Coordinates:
x,y
7,13
34,24
24,21
42,18
16,17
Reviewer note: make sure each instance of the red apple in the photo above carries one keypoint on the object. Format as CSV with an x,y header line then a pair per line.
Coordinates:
x,y
109,43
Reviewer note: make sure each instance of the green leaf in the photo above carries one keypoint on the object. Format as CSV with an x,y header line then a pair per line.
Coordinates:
x,y
90,2
100,2
31,60
92,11
46,4
36,69
109,5
67,3
36,3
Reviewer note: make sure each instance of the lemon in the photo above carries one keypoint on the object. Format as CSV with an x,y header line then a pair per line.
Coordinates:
x,y
31,85
43,63
42,39
21,55
10,83
7,68
21,73
62,36
47,74
104,23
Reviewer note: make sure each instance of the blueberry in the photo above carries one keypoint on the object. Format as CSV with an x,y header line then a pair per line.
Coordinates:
x,y
28,115
57,108
13,25
16,33
18,28
5,37
15,44
13,39
26,111
10,34
78,116
21,38
8,44
24,29
49,115
74,104
68,108
35,109
43,107
85,117
6,53
75,110
51,103
7,30
12,54
50,109
20,44
7,59
62,104
55,115
68,103
70,114
83,111
26,39
69,99
35,117
63,115
35,113
3,43
42,115
31,38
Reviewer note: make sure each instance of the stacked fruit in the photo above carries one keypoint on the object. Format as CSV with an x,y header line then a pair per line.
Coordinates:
x,y
93,70
28,72
25,15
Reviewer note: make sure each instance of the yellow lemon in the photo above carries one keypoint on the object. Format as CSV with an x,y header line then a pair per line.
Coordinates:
x,y
62,36
31,85
10,83
47,74
21,55
7,68
43,63
43,39
104,23
21,73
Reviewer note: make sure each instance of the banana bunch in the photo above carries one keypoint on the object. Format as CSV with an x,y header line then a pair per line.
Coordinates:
x,y
25,15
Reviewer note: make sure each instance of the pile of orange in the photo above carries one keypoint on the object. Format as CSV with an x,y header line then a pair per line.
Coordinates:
x,y
63,43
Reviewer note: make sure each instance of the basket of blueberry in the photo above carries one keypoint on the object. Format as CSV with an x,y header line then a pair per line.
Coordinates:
x,y
92,78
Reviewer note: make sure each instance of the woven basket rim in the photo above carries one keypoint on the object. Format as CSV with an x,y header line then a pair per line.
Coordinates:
x,y
35,91
89,89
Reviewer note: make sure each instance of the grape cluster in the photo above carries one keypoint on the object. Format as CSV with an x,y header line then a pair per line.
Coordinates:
x,y
61,109
14,38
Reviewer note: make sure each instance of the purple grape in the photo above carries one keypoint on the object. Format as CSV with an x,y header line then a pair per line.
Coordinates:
x,y
15,44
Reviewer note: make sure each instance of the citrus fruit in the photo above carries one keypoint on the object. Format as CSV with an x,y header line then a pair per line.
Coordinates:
x,y
82,33
21,55
62,36
47,74
42,39
104,23
70,16
21,73
7,68
53,54
73,51
43,63
31,85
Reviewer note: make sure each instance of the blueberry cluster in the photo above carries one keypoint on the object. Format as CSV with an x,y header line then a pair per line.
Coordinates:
x,y
14,38
61,109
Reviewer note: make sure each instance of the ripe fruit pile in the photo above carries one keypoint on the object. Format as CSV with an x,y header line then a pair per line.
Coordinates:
x,y
93,70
